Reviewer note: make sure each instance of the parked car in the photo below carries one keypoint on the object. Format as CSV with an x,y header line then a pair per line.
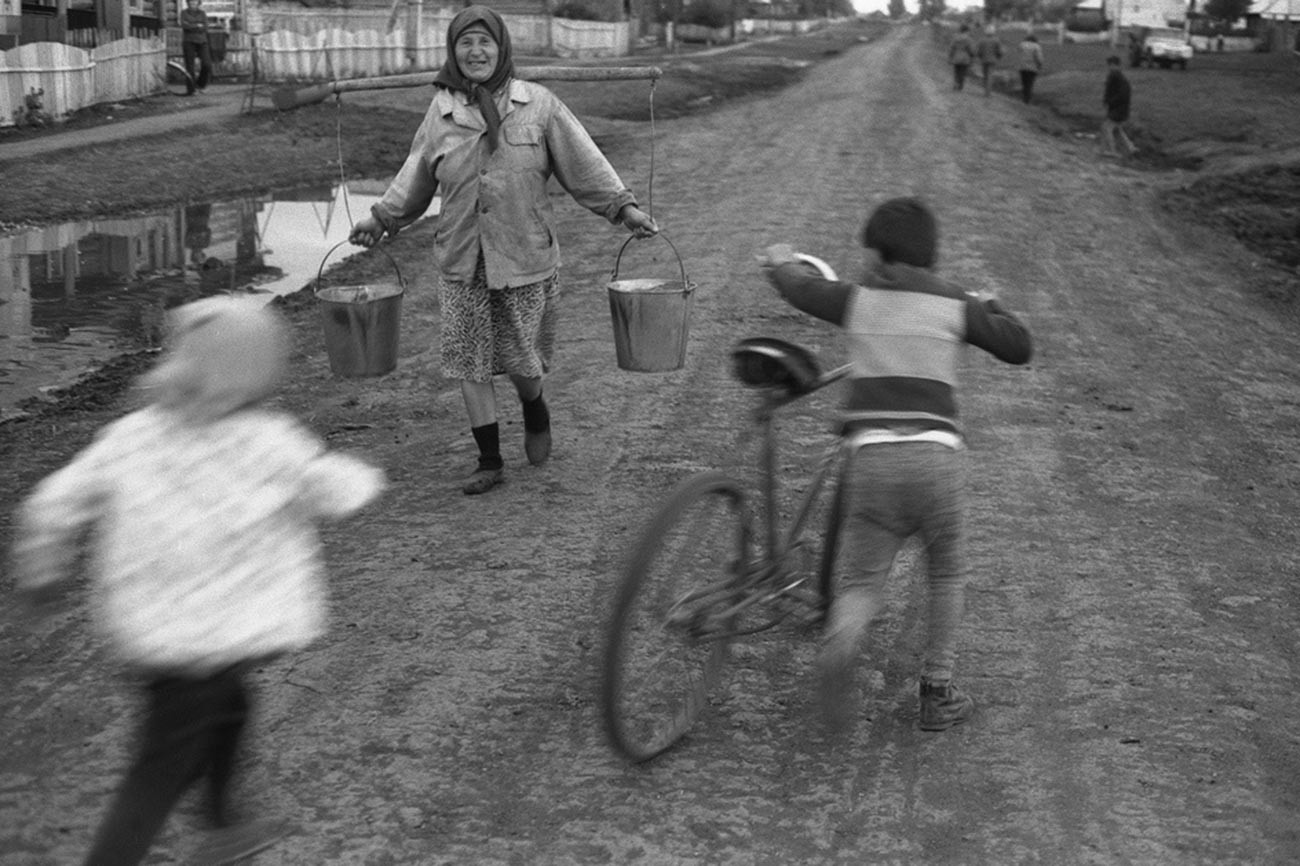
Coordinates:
x,y
1163,46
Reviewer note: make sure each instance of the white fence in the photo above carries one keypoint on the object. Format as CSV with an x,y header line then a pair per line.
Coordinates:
x,y
291,51
589,38
68,78
128,69
296,44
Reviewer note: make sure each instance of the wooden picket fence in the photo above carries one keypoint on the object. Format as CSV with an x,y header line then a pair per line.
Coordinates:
x,y
65,78
290,51
68,78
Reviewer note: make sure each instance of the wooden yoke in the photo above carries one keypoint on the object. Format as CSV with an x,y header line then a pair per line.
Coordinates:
x,y
290,97
527,73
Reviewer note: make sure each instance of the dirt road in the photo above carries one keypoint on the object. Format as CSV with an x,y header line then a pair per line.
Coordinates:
x,y
1131,635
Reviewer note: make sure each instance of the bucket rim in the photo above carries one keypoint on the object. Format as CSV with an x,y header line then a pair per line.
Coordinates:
x,y
677,288
386,292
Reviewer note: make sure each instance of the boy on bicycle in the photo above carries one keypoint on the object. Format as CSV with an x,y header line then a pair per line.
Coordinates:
x,y
906,328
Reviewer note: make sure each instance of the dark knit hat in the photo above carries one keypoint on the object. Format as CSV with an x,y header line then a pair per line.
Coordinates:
x,y
903,230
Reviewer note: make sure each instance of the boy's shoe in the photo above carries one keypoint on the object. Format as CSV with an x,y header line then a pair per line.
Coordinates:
x,y
943,706
234,843
482,481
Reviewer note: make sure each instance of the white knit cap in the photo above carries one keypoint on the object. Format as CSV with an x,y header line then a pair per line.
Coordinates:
x,y
225,353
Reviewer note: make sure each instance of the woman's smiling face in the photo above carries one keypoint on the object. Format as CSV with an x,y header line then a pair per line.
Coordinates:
x,y
476,54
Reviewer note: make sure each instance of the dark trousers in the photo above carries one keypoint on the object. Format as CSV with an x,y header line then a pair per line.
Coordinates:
x,y
1027,77
201,52
191,730
959,71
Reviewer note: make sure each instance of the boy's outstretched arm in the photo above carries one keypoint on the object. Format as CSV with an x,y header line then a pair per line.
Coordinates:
x,y
998,331
802,286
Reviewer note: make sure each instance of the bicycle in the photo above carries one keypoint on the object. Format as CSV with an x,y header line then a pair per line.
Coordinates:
x,y
699,578
177,79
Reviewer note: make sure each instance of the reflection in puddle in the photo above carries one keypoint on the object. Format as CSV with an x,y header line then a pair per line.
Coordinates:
x,y
74,295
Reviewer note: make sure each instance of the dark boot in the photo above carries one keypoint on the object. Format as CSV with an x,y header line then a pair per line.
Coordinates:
x,y
944,706
537,430
490,465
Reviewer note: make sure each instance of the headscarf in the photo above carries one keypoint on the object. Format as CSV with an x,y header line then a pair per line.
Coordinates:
x,y
226,353
450,76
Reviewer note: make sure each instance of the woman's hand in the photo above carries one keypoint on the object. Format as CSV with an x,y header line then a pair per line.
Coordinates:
x,y
638,221
367,232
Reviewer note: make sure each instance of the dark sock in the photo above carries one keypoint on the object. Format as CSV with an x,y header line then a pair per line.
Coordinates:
x,y
537,418
488,438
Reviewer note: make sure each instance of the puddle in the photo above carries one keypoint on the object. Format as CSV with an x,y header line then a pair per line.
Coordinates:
x,y
74,295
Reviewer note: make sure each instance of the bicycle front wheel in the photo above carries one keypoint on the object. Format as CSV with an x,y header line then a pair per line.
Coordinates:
x,y
672,619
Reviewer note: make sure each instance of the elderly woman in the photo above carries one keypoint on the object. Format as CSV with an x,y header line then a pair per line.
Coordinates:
x,y
489,143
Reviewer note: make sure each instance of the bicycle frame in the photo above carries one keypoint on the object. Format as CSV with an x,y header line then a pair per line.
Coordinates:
x,y
768,577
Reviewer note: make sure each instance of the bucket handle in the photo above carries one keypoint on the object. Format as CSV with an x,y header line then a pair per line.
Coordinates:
x,y
321,271
680,264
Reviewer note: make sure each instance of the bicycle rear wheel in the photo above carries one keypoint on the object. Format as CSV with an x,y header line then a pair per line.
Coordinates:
x,y
178,81
668,637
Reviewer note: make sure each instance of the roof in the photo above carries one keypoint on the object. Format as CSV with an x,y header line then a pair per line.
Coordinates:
x,y
1276,8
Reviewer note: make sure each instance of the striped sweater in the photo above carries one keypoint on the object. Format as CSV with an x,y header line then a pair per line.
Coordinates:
x,y
906,329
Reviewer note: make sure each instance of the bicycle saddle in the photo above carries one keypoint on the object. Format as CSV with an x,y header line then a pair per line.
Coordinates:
x,y
766,362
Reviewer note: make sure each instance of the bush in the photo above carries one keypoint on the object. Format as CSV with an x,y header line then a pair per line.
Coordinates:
x,y
574,10
708,13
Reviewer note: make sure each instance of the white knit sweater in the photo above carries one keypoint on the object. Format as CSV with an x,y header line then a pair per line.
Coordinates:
x,y
204,550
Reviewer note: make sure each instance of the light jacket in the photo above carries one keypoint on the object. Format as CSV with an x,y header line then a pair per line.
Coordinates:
x,y
1031,55
989,50
962,50
205,549
497,202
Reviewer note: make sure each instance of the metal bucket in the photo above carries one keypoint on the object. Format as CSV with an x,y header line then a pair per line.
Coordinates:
x,y
361,323
652,318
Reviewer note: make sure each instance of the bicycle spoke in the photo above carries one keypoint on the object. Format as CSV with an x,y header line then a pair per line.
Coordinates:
x,y
668,638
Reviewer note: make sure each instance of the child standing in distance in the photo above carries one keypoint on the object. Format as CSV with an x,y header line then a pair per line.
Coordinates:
x,y
905,329
195,46
205,559
1117,97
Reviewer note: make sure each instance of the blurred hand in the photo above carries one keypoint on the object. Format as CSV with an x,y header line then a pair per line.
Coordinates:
x,y
776,255
638,221
367,232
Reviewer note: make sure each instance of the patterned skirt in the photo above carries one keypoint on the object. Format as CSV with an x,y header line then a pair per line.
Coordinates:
x,y
487,332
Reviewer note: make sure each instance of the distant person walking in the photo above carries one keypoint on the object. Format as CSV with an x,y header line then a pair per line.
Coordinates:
x,y
1031,63
194,45
961,53
989,52
1117,98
